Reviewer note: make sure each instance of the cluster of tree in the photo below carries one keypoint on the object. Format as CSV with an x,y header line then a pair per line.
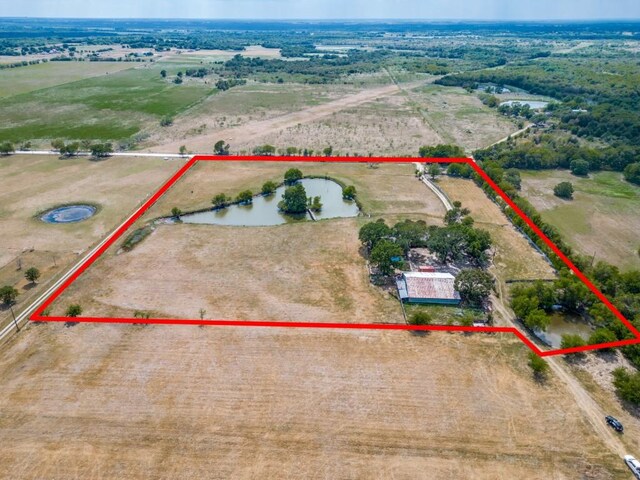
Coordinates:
x,y
632,173
221,148
458,240
73,148
294,200
595,103
6,148
441,151
227,83
627,385
197,72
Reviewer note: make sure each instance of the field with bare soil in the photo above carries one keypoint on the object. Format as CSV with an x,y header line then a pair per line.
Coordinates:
x,y
105,401
33,184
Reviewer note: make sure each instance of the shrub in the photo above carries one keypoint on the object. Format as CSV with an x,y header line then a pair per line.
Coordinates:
x,y
74,310
420,318
627,385
269,188
579,167
563,190
538,365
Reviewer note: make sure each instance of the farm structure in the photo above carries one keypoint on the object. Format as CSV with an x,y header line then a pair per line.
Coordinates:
x,y
427,287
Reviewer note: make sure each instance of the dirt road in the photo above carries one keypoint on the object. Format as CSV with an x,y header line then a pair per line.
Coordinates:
x,y
261,128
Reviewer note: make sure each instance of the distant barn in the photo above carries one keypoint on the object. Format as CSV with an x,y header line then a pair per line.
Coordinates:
x,y
427,287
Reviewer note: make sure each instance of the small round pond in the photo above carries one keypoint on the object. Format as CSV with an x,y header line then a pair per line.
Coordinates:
x,y
563,325
68,214
264,210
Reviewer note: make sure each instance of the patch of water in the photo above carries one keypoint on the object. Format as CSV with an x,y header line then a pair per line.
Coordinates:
x,y
68,214
562,324
264,210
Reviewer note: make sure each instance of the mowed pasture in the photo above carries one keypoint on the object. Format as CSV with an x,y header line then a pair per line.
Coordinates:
x,y
601,220
108,401
33,184
309,272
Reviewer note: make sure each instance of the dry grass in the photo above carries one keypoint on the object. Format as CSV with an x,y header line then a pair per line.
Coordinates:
x,y
114,401
309,272
515,259
33,184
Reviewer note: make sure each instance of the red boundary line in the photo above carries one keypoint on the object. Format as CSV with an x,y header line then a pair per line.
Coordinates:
x,y
37,315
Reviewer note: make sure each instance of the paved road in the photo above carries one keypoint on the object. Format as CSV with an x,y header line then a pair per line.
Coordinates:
x,y
115,154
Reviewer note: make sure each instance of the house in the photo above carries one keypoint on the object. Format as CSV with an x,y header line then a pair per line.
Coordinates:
x,y
427,287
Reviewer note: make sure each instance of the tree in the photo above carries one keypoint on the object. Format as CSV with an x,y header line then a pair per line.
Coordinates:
x,y
434,170
328,151
292,151
70,149
8,295
632,173
441,151
579,167
384,255
32,274
178,80
99,150
292,175
57,144
315,205
571,341
563,190
627,385
602,335
163,73
176,212
538,365
349,192
6,148
166,121
264,150
294,199
474,285
220,200
74,310
183,150
420,318
221,148
245,197
371,233
269,188
513,177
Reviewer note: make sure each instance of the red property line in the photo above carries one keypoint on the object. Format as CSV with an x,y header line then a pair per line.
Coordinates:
x,y
37,316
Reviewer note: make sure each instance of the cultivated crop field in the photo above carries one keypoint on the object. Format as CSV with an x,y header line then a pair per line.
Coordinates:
x,y
602,219
220,402
33,184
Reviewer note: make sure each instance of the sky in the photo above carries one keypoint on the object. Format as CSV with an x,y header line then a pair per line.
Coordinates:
x,y
328,9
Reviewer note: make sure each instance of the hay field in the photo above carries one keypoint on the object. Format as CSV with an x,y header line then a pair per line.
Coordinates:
x,y
602,219
159,402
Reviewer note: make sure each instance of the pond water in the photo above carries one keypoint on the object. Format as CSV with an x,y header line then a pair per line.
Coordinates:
x,y
563,324
533,104
69,214
264,210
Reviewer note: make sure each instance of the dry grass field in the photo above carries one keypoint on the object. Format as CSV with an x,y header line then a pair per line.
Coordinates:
x,y
301,272
33,184
115,401
602,219
514,258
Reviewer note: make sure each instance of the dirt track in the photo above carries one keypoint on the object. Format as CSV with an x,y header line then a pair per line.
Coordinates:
x,y
260,128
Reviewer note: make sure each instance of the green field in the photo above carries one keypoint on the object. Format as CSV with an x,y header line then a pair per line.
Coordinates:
x,y
109,107
15,81
602,219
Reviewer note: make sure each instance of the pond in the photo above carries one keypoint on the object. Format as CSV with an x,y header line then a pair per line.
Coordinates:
x,y
68,214
264,210
533,104
563,324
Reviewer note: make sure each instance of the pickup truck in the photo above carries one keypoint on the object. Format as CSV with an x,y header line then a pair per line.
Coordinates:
x,y
633,464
